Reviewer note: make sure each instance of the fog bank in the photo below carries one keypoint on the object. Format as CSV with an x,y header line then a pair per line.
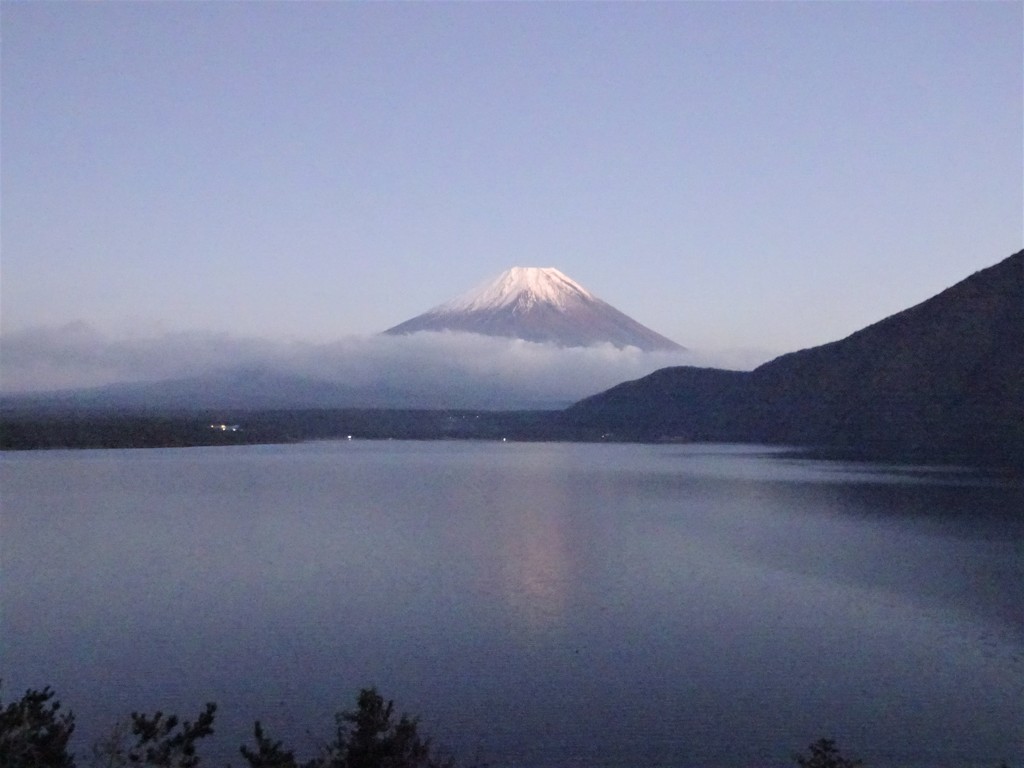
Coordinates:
x,y
443,369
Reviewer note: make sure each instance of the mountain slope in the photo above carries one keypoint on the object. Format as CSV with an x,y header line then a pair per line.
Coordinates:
x,y
949,370
942,379
538,304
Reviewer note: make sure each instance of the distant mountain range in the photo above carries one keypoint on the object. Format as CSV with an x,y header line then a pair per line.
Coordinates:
x,y
538,304
943,379
238,388
532,304
265,388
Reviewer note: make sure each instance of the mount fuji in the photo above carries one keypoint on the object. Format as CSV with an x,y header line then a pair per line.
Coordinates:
x,y
538,304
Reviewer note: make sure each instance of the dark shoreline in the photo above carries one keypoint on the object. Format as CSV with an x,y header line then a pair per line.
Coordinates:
x,y
177,429
27,430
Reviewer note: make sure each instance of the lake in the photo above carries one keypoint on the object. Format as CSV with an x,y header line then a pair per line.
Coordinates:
x,y
536,604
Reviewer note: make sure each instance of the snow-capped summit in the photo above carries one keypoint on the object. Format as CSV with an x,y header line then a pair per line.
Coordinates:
x,y
537,304
519,287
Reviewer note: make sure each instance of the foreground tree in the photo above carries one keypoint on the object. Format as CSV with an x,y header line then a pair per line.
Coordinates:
x,y
824,754
269,753
366,737
34,734
161,741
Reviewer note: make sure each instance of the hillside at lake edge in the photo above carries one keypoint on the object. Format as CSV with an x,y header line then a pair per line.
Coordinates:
x,y
943,380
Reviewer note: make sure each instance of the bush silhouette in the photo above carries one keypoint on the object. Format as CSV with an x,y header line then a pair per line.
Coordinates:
x,y
366,737
824,754
34,734
161,741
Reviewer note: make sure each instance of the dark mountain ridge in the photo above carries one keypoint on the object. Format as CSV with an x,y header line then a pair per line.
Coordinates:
x,y
943,379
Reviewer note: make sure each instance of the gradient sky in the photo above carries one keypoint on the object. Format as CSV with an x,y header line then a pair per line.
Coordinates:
x,y
769,176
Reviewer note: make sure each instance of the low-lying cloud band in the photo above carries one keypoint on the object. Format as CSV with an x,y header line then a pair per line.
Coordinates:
x,y
442,369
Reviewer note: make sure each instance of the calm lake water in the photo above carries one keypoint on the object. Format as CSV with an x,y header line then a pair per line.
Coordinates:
x,y
535,604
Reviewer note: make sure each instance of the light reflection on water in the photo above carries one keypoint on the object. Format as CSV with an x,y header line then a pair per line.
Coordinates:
x,y
541,604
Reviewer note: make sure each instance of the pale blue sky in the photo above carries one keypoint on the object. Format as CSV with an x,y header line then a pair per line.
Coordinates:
x,y
769,175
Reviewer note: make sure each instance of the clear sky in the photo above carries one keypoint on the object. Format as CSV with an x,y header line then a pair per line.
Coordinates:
x,y
768,176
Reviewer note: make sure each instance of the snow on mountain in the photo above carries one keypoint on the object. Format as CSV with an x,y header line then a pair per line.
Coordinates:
x,y
522,286
538,304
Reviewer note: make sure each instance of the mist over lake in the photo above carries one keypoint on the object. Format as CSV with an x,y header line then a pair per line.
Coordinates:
x,y
536,604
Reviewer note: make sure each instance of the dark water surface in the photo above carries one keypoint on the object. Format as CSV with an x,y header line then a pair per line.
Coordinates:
x,y
536,604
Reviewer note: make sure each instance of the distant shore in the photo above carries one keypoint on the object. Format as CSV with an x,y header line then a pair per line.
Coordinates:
x,y
85,429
